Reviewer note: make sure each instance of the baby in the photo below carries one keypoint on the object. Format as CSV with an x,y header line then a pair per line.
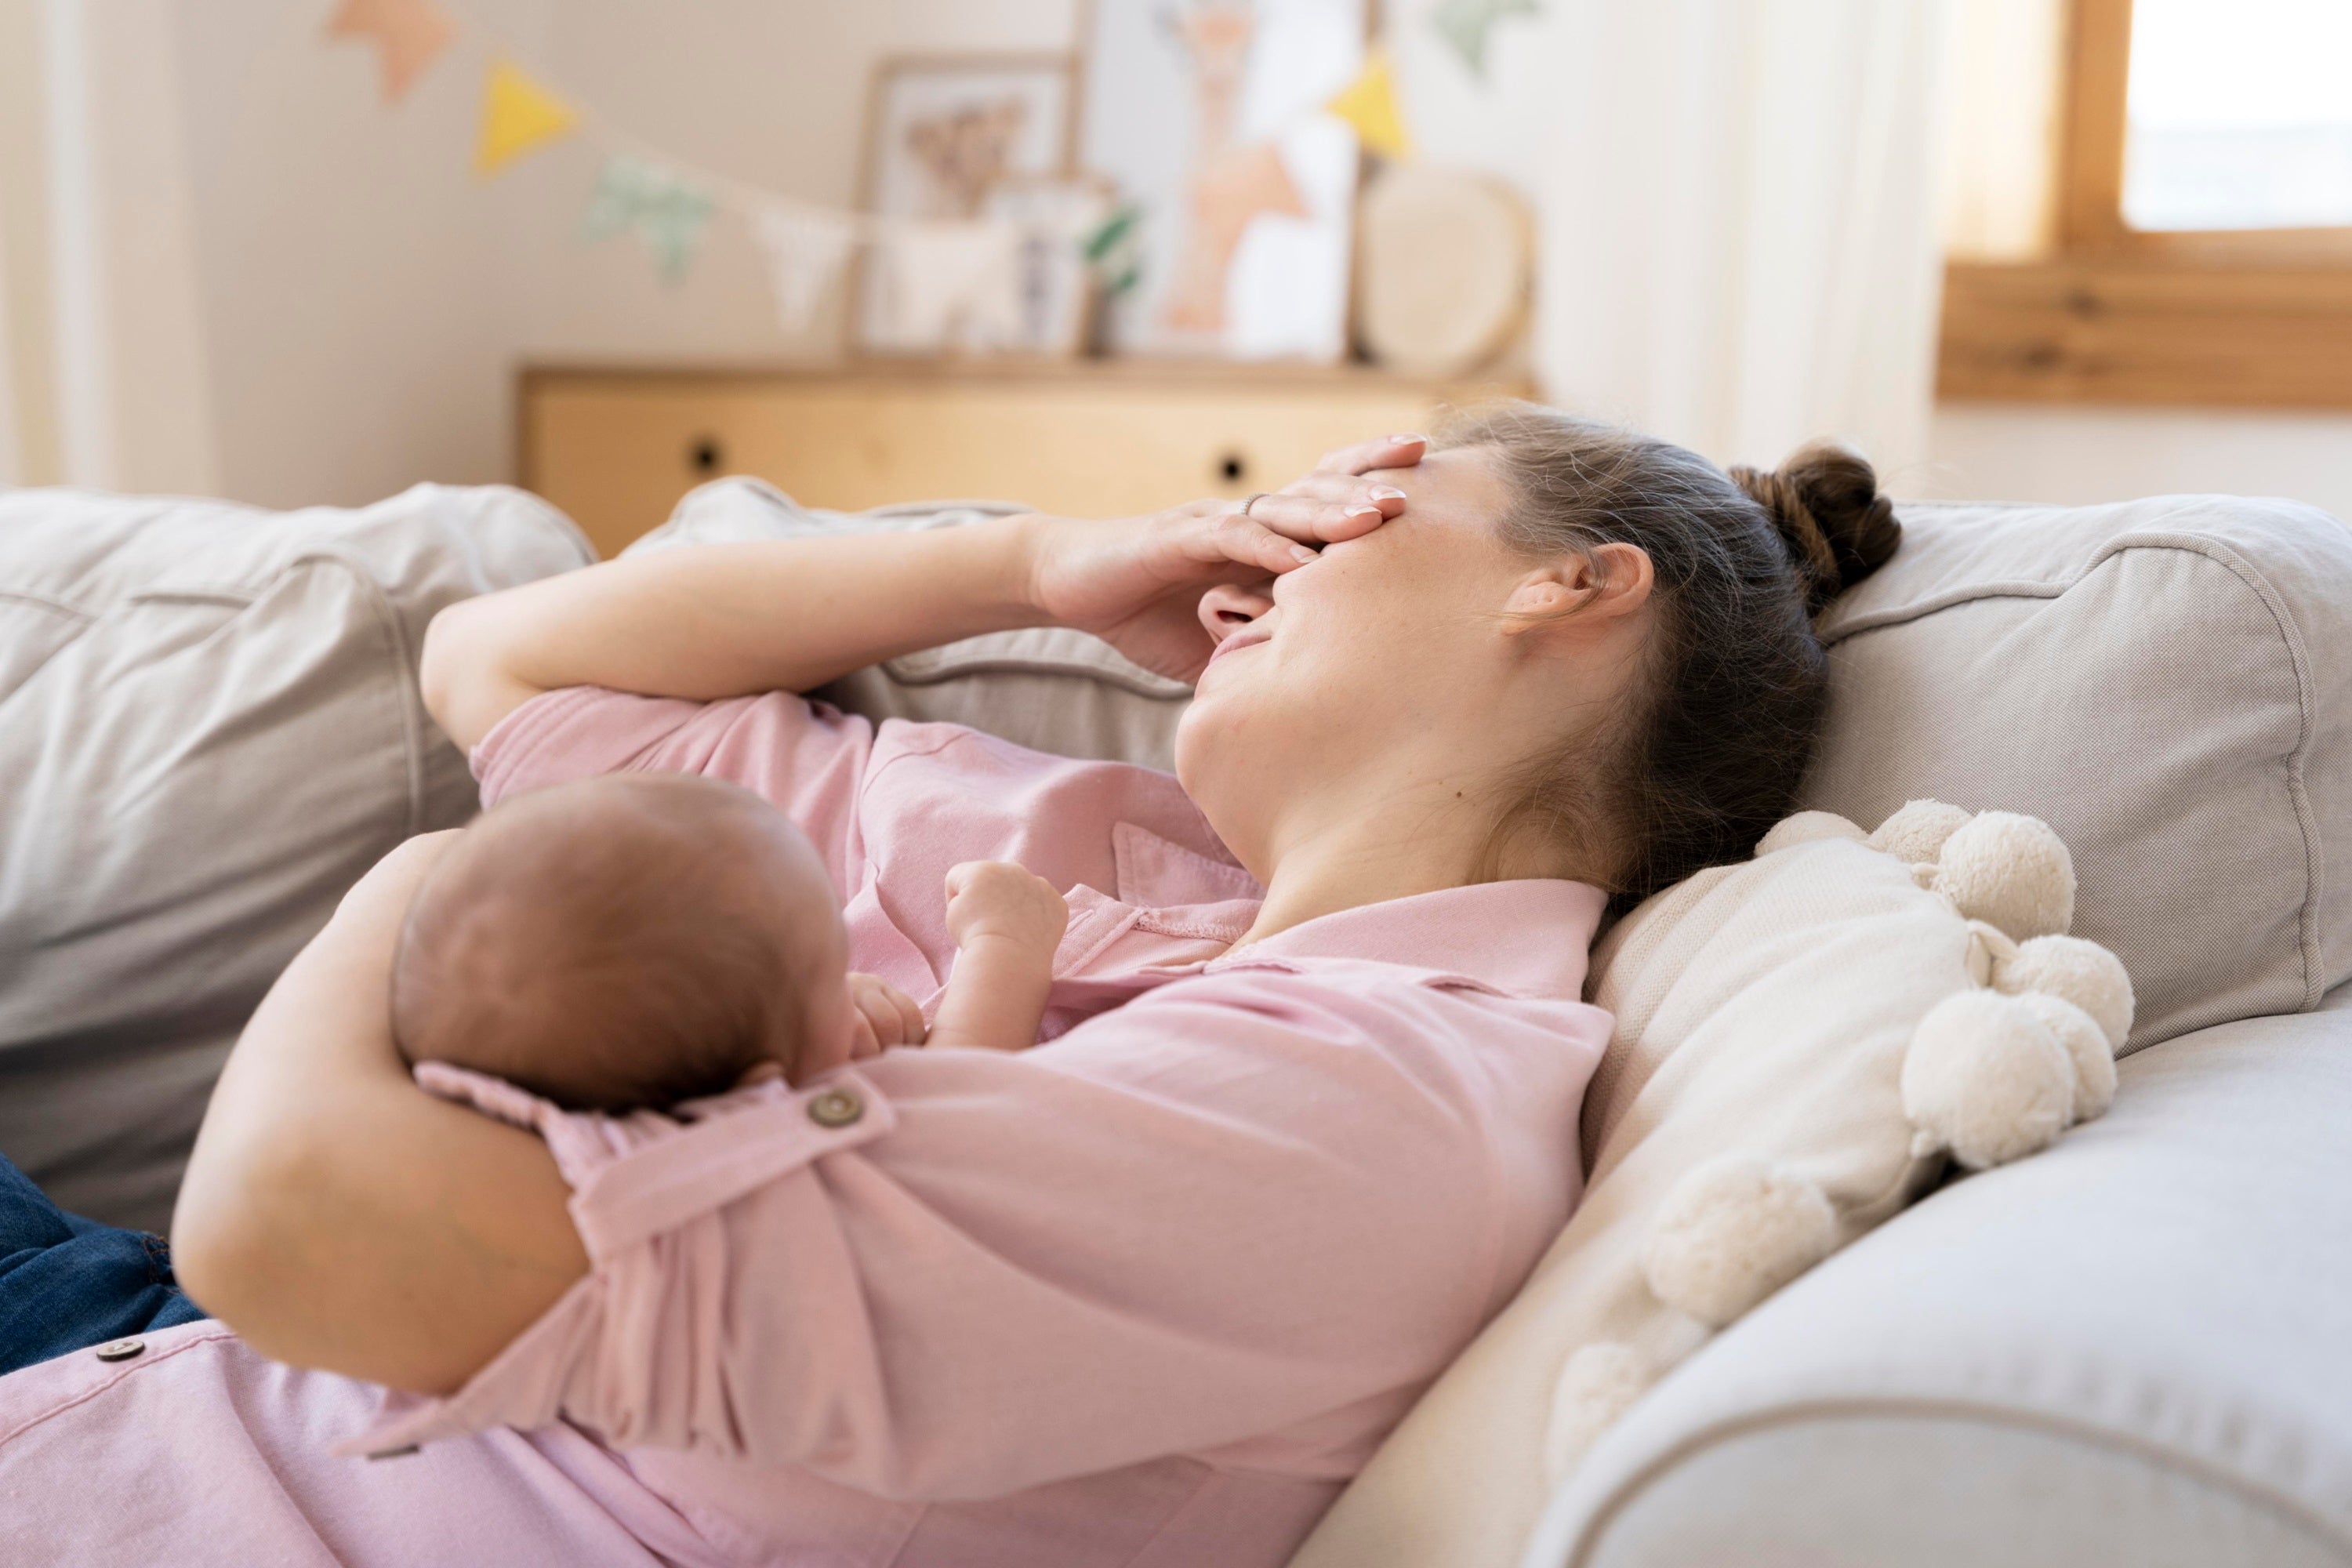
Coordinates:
x,y
626,942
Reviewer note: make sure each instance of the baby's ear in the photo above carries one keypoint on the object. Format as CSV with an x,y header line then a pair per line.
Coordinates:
x,y
766,1070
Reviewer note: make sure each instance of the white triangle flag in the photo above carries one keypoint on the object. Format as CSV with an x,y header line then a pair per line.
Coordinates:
x,y
805,249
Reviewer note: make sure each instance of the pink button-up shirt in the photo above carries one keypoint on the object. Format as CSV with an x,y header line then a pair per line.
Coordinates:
x,y
1146,1294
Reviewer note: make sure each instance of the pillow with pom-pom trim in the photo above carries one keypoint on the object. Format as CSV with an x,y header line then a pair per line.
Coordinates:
x,y
1802,1041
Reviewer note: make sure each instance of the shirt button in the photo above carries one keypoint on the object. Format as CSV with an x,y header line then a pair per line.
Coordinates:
x,y
120,1350
835,1108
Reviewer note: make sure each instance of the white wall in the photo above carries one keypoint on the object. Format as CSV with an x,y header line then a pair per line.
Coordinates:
x,y
365,302
2055,452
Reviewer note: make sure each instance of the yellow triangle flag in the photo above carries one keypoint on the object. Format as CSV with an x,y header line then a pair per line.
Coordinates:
x,y
518,115
1368,103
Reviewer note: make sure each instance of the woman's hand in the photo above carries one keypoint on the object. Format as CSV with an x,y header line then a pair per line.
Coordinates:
x,y
1137,582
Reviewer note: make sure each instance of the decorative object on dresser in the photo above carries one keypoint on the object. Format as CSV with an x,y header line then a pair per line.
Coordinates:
x,y
615,449
942,133
1052,218
1210,114
1444,262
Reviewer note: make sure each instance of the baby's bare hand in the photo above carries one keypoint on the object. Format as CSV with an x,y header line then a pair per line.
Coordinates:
x,y
998,898
886,1016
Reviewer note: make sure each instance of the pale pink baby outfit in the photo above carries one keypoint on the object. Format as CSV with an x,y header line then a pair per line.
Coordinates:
x,y
1145,1295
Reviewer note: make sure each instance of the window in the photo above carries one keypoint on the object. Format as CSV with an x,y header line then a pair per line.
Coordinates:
x,y
2176,226
2239,115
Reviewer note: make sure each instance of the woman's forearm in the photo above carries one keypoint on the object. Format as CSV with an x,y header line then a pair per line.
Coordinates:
x,y
724,620
338,1217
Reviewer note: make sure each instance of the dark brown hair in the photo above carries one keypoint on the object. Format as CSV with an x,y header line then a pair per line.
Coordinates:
x,y
1710,752
610,943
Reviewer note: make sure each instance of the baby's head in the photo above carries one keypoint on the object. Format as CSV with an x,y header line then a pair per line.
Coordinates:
x,y
626,941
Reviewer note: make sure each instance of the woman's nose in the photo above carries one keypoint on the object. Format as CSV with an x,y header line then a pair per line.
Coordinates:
x,y
1225,609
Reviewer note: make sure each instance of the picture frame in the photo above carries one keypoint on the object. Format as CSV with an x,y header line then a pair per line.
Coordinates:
x,y
1209,116
1054,285
941,132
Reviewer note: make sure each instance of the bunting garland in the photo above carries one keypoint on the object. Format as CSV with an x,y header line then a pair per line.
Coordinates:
x,y
944,279
667,211
518,116
1368,103
408,35
1466,25
948,275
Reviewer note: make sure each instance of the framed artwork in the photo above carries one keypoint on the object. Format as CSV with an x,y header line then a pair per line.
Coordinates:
x,y
1053,285
942,131
1208,114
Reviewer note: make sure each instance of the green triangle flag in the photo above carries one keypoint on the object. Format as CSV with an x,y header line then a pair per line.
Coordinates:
x,y
667,211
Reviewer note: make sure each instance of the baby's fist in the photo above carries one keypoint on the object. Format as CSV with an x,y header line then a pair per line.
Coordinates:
x,y
998,898
882,1016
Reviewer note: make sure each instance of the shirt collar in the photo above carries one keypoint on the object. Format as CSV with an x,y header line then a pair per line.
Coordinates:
x,y
1529,938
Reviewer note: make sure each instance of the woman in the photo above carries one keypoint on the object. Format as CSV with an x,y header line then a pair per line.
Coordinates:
x,y
1147,1293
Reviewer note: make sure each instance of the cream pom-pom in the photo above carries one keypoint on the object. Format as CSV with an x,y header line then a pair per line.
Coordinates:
x,y
1732,1232
1600,1383
1986,1078
1806,827
2012,870
2081,971
1918,832
2086,1048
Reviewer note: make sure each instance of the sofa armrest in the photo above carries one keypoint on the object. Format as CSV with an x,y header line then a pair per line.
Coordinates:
x,y
2134,1347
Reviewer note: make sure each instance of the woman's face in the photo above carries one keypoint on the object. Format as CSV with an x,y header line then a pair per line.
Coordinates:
x,y
1381,664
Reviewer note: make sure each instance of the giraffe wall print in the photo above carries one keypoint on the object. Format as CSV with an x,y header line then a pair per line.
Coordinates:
x,y
1232,184
1212,120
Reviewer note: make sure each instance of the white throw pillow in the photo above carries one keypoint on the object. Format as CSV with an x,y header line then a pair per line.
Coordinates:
x,y
1800,1041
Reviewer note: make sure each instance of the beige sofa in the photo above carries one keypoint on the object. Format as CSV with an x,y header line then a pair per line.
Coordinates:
x,y
2131,1349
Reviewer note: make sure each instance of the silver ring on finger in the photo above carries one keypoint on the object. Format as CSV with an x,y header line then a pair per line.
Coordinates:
x,y
1254,500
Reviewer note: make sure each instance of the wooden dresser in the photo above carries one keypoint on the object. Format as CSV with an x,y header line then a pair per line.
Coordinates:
x,y
616,447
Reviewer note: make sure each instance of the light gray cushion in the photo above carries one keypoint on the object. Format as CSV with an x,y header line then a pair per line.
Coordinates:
x,y
2166,682
2161,1294
209,727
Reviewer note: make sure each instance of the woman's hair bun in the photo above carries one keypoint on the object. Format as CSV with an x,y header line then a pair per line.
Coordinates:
x,y
1824,502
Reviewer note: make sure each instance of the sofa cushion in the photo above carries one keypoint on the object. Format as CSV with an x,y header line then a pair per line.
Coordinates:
x,y
2166,682
2143,1325
211,729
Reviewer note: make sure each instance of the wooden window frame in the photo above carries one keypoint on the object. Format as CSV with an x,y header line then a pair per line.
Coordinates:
x,y
2255,317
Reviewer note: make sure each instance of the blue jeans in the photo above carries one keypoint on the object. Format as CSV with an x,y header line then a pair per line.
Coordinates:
x,y
67,1283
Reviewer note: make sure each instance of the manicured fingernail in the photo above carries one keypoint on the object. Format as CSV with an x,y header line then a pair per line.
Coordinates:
x,y
1300,553
1405,440
1388,492
1363,512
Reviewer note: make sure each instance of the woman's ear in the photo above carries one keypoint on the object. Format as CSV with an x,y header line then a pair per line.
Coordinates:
x,y
1541,597
1615,580
1621,577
